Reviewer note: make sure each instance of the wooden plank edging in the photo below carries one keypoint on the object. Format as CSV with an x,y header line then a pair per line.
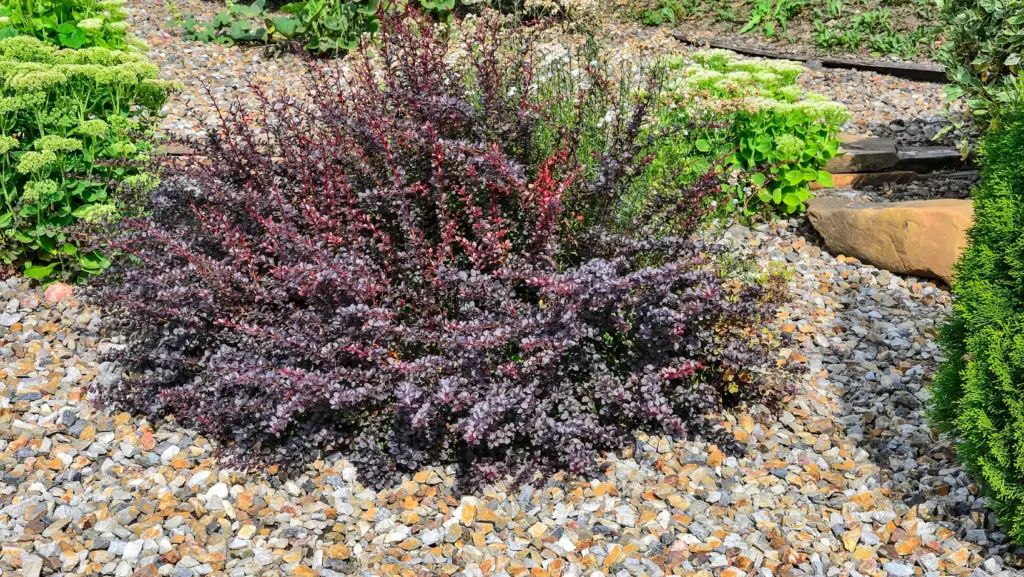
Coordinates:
x,y
907,70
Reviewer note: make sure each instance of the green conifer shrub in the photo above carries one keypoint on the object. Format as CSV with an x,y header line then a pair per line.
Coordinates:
x,y
978,395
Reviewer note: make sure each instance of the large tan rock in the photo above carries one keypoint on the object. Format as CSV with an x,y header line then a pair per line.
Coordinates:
x,y
921,237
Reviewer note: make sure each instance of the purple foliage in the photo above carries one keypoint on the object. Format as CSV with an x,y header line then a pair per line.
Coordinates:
x,y
382,270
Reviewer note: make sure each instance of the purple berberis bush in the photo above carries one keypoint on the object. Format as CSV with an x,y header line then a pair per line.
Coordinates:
x,y
393,268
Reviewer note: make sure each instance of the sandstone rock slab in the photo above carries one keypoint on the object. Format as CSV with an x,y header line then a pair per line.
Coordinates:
x,y
922,238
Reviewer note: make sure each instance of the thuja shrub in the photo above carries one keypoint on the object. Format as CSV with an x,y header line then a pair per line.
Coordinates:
x,y
382,270
72,125
977,393
768,128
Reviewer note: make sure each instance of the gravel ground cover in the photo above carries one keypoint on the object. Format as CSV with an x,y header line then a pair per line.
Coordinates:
x,y
845,480
911,112
936,186
210,73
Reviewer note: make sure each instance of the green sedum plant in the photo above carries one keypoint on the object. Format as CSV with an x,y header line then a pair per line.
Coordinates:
x,y
69,23
715,110
766,127
71,125
978,395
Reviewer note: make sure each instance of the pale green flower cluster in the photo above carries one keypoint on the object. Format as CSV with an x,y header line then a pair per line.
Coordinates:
x,y
11,104
25,49
28,49
91,24
137,44
164,85
720,76
791,93
92,128
697,78
123,149
58,76
789,147
757,75
36,81
144,181
98,212
57,144
714,58
33,161
785,70
740,76
7,144
20,102
39,190
829,112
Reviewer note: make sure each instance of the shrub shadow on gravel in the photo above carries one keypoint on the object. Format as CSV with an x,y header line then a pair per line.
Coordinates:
x,y
879,353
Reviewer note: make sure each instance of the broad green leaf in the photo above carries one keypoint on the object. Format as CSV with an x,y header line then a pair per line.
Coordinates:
x,y
221,20
83,211
293,8
286,26
40,272
825,179
46,243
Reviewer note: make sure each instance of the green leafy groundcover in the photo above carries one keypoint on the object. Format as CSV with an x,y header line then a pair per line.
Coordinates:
x,y
978,394
985,44
321,26
72,122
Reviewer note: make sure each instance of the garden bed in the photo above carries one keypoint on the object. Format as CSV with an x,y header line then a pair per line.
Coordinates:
x,y
842,476
885,32
846,476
